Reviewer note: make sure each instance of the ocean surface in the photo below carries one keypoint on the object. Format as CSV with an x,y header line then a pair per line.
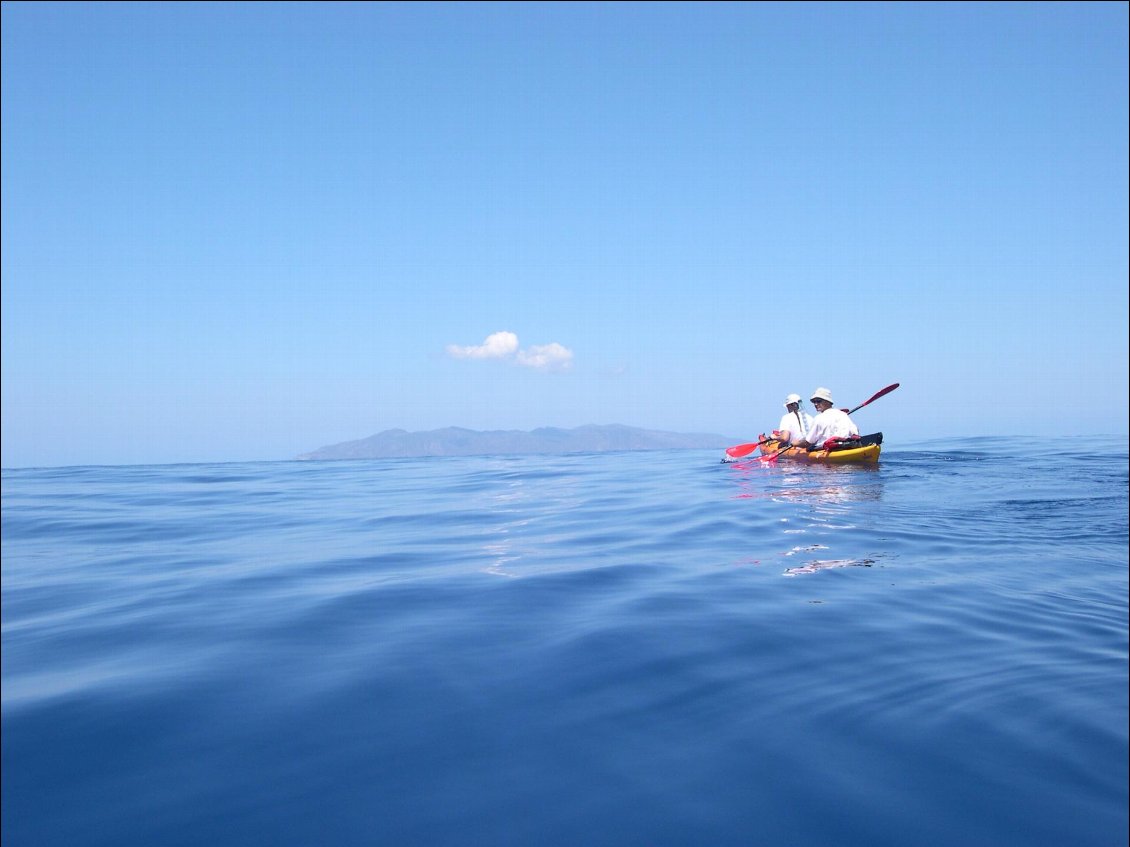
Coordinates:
x,y
645,649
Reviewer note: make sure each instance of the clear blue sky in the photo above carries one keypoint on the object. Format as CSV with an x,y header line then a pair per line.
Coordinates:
x,y
244,231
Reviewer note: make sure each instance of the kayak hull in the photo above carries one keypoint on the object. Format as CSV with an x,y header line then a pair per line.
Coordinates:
x,y
865,455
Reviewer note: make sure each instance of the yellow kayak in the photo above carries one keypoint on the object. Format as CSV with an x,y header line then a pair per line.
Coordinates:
x,y
867,453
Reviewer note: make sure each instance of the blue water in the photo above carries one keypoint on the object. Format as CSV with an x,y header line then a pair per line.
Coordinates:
x,y
609,649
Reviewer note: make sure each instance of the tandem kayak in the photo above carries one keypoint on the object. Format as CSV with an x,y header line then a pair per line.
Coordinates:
x,y
864,451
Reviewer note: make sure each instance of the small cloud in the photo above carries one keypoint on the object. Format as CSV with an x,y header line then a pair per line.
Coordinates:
x,y
504,345
551,356
498,345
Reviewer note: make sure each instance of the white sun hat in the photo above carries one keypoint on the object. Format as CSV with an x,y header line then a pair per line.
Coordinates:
x,y
792,398
823,394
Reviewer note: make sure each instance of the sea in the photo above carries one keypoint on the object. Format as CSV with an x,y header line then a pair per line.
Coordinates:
x,y
637,648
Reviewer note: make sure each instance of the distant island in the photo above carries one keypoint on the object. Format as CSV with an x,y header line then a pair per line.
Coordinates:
x,y
456,441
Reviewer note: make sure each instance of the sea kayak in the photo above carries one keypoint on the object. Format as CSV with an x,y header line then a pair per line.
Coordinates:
x,y
864,451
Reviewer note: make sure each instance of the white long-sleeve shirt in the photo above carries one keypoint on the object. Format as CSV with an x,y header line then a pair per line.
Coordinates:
x,y
831,423
797,423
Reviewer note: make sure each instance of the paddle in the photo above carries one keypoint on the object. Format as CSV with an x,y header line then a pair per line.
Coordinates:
x,y
774,456
740,450
874,397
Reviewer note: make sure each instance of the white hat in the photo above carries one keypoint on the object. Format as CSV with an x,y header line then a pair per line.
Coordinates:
x,y
792,398
823,394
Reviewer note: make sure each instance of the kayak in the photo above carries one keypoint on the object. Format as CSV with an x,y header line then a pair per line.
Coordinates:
x,y
865,452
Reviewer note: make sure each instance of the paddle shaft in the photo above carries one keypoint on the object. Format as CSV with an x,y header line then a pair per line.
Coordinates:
x,y
876,396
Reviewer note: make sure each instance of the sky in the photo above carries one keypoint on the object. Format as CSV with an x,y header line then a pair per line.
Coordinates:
x,y
243,231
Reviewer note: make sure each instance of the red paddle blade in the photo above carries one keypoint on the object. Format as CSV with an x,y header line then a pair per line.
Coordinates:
x,y
742,450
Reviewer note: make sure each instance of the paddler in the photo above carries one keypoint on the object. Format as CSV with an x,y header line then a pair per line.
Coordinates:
x,y
829,422
794,425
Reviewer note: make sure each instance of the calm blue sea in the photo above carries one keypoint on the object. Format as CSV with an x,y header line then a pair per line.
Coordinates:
x,y
601,649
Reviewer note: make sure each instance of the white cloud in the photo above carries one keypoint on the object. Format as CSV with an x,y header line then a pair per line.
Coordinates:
x,y
547,356
498,345
504,345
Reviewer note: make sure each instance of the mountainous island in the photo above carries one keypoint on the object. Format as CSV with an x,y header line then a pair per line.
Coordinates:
x,y
455,441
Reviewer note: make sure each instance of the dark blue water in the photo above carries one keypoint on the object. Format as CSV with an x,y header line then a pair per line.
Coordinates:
x,y
610,649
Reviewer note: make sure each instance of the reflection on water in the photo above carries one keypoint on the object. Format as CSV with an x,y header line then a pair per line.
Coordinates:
x,y
796,480
832,501
828,564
